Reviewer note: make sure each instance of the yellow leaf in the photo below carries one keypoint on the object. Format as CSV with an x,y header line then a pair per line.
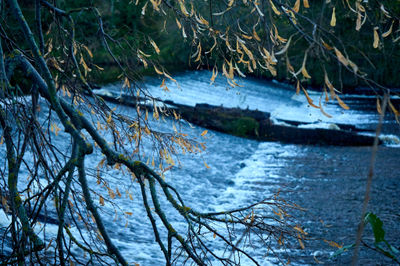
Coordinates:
x,y
396,113
300,242
284,49
155,4
326,94
203,21
109,118
206,165
214,74
276,11
341,103
333,19
54,63
184,33
247,36
296,6
88,51
333,243
183,8
231,3
128,213
281,39
303,68
56,129
270,58
322,109
376,38
327,46
298,87
298,228
280,240
340,57
306,4
141,58
289,66
378,106
309,100
169,159
230,70
353,66
330,86
252,216
227,43
359,6
305,73
1,140
158,71
247,217
204,133
101,201
292,16
168,76
247,51
214,45
111,193
155,46
178,23
387,33
255,35
99,68
141,52
224,71
126,83
175,115
358,21
239,72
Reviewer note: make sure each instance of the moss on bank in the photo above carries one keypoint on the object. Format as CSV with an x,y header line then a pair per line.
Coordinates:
x,y
242,126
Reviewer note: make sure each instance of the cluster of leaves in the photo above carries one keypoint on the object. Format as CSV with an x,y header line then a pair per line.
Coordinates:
x,y
331,44
47,97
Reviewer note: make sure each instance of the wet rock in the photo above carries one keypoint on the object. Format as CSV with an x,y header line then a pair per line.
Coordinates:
x,y
230,183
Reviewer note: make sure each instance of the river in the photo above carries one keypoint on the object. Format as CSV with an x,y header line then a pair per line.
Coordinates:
x,y
329,182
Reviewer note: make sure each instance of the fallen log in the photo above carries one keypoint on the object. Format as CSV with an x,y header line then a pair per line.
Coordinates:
x,y
258,125
254,124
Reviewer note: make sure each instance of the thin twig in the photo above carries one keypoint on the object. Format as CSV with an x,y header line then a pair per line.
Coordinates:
x,y
369,180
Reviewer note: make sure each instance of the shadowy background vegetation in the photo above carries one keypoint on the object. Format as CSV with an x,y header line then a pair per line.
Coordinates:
x,y
130,29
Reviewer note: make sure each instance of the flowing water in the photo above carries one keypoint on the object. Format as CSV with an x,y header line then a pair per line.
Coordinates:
x,y
327,181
